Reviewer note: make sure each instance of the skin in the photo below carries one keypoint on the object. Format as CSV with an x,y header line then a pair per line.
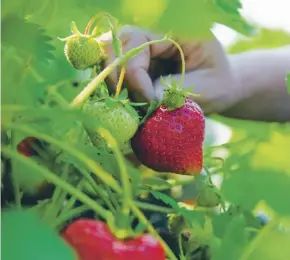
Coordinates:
x,y
249,85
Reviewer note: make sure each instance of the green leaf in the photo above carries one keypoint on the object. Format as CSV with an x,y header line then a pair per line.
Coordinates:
x,y
270,186
152,107
124,94
193,217
202,14
265,39
18,86
275,245
24,236
30,181
230,6
234,240
30,39
221,221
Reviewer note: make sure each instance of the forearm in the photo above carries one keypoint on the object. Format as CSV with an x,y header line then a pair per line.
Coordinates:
x,y
260,84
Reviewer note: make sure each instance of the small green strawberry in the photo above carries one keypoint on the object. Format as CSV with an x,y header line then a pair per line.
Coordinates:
x,y
171,138
82,51
119,118
209,196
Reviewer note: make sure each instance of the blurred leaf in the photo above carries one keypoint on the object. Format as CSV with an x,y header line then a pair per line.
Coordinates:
x,y
228,14
234,240
30,38
193,18
270,186
265,39
24,236
30,181
17,87
230,6
275,245
221,221
273,154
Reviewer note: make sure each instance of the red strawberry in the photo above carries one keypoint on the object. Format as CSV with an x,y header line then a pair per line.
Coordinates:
x,y
25,148
93,240
171,139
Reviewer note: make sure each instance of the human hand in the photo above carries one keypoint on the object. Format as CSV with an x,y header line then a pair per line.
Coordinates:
x,y
206,66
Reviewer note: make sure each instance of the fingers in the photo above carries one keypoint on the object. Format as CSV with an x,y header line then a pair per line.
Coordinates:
x,y
136,78
139,84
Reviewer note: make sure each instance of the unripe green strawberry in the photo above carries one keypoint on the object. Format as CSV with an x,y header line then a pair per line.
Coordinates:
x,y
120,119
209,196
83,51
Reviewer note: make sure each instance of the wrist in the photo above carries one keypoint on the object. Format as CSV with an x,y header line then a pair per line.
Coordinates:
x,y
258,71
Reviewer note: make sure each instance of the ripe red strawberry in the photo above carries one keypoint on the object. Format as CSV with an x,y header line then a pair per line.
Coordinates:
x,y
25,148
92,240
171,139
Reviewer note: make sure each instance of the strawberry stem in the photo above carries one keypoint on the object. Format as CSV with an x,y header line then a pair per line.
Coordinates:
x,y
152,230
182,61
58,197
182,256
92,165
69,215
15,183
127,192
91,87
120,82
70,203
51,177
152,207
93,19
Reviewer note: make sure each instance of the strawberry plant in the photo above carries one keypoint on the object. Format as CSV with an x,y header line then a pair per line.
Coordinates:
x,y
70,188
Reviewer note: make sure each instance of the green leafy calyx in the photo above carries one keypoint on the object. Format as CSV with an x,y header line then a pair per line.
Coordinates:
x,y
174,95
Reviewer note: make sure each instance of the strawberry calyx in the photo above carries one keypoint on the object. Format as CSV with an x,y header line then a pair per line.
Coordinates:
x,y
174,96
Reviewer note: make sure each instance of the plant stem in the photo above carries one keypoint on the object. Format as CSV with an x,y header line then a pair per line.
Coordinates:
x,y
58,197
127,193
182,61
91,87
57,181
92,165
73,199
120,82
180,246
152,230
15,183
69,215
112,197
97,189
93,19
152,207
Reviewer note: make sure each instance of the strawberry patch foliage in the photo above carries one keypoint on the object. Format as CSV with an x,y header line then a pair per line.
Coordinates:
x,y
67,172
